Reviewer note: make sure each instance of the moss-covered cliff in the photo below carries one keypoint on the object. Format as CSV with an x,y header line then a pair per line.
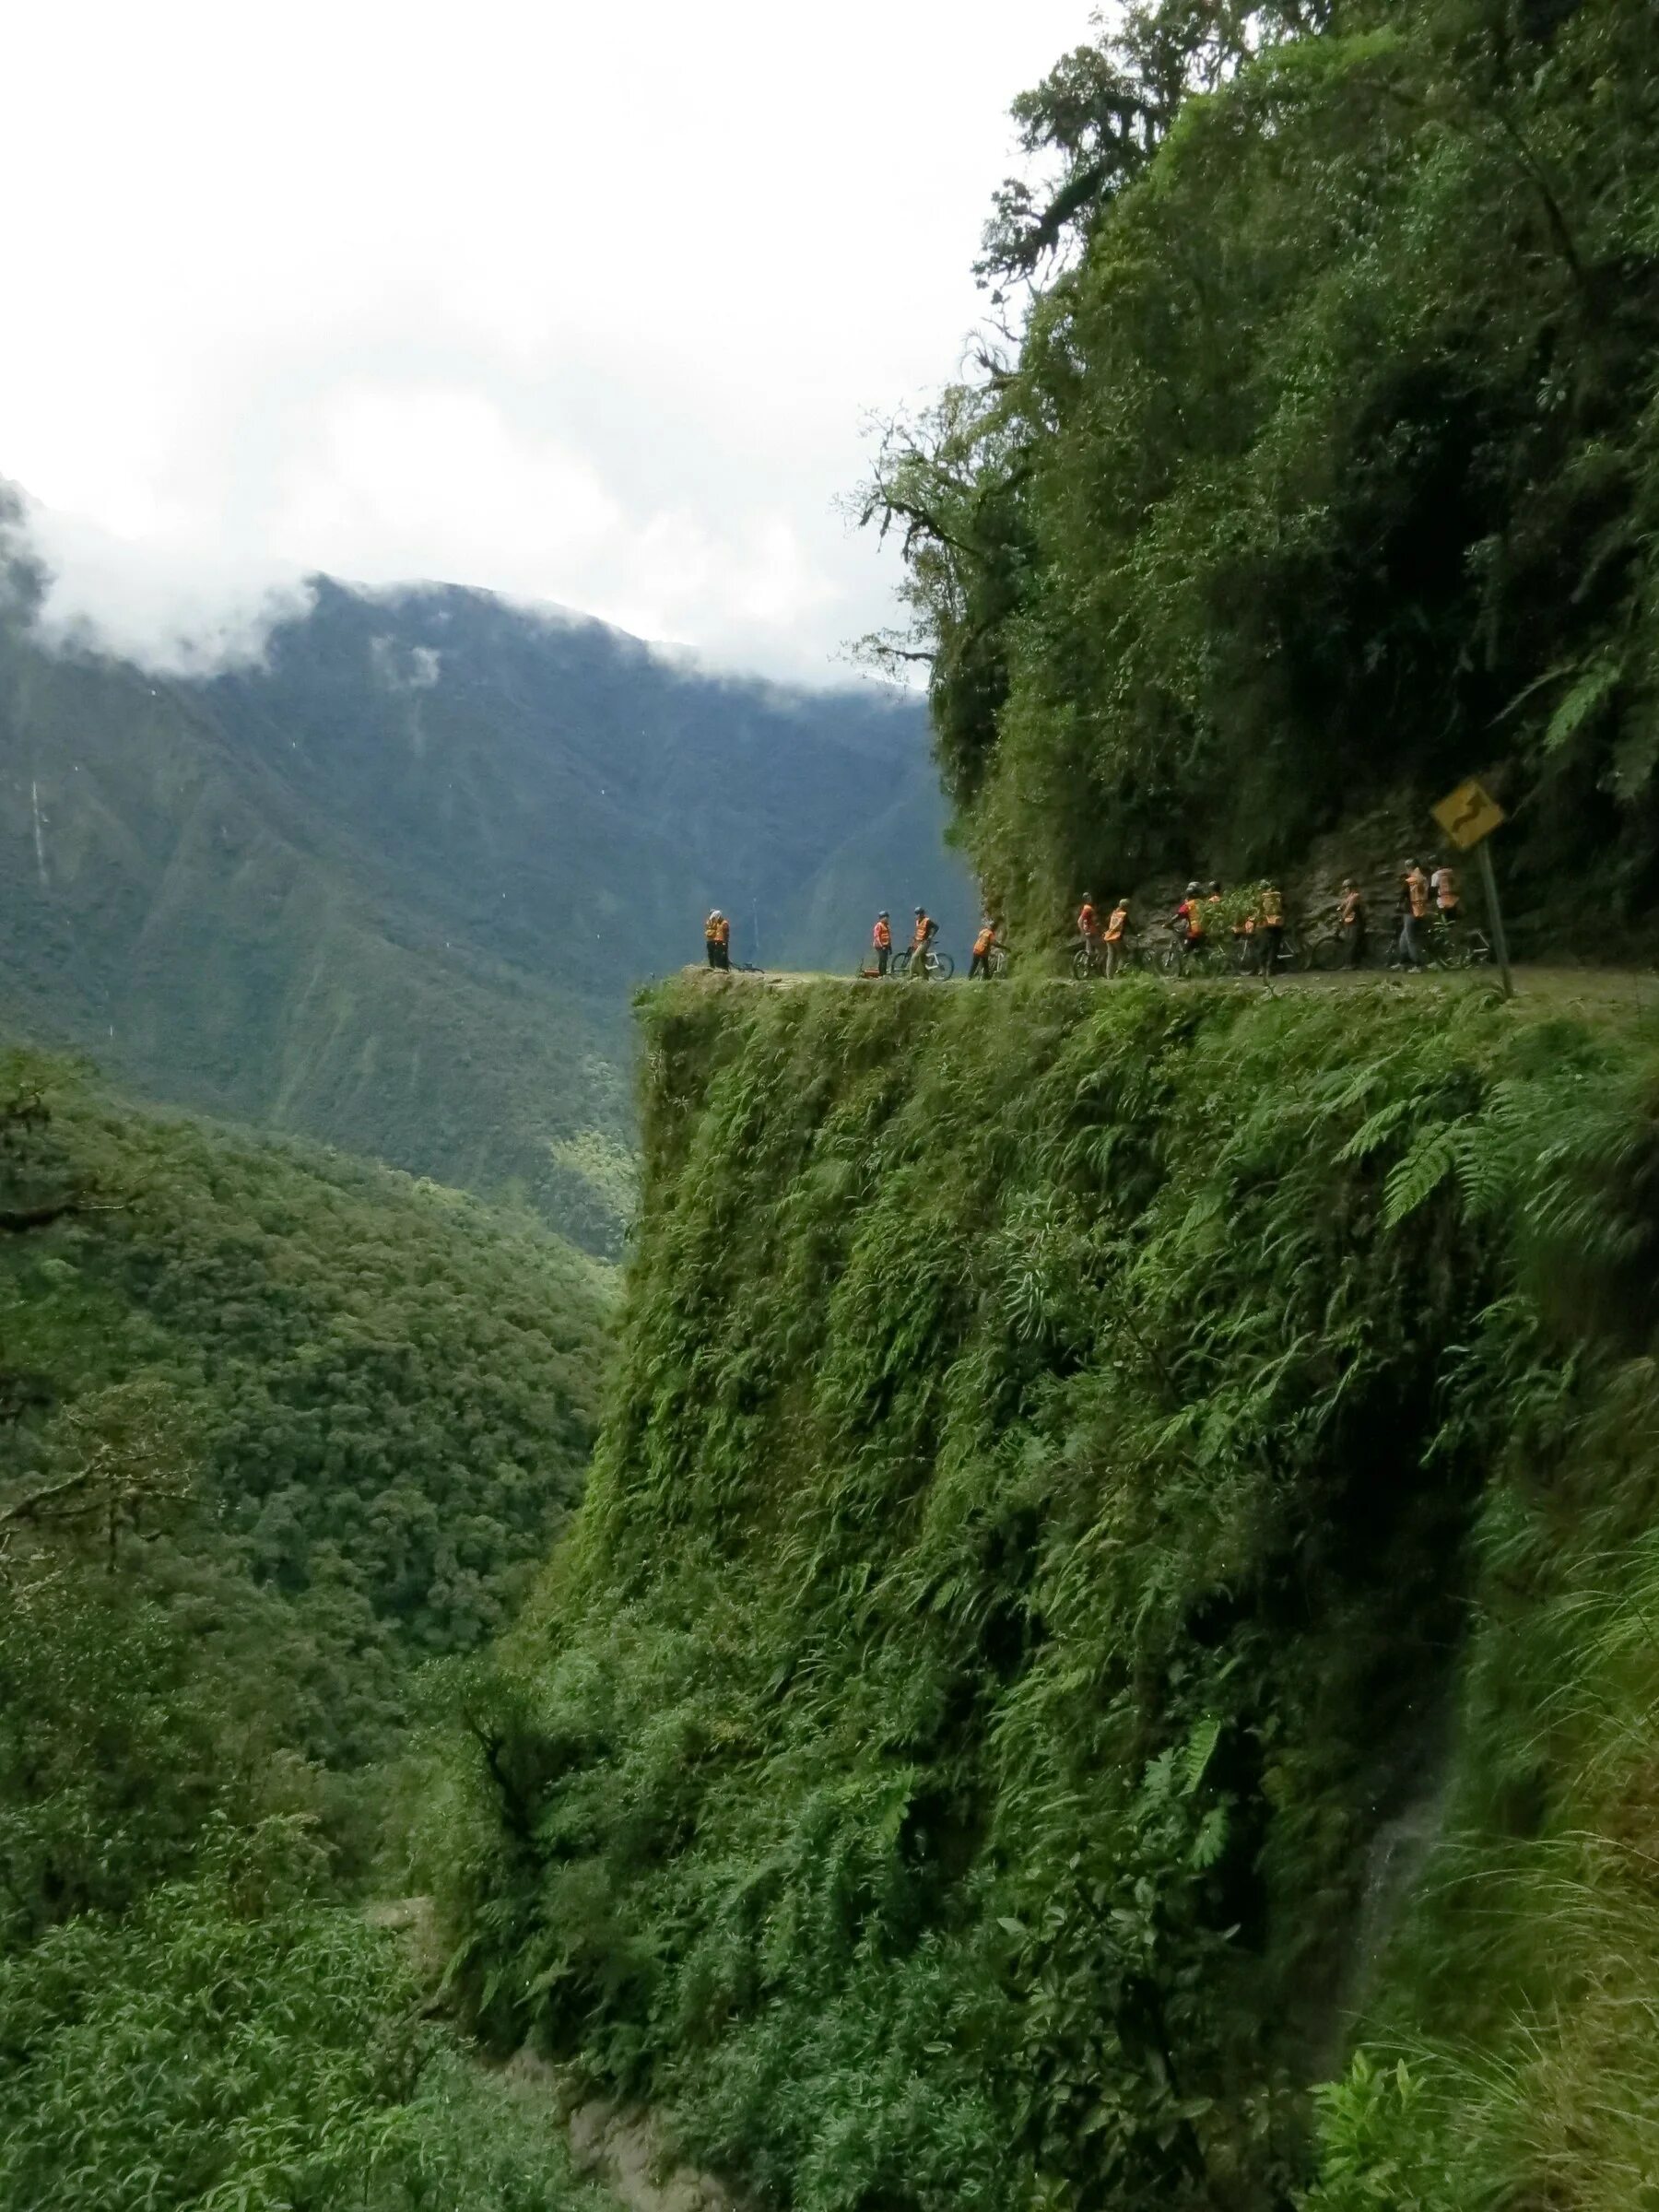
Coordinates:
x,y
1118,1575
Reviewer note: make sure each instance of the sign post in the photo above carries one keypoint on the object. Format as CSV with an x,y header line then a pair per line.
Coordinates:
x,y
1468,816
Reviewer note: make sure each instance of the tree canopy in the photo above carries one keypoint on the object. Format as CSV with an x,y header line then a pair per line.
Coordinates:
x,y
1318,466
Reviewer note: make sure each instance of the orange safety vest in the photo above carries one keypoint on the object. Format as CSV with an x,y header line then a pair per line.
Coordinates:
x,y
1351,903
717,929
1417,890
1273,908
882,937
924,929
1446,889
1193,915
1115,928
986,938
1087,920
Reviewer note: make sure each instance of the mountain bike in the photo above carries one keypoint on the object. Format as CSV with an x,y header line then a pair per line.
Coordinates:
x,y
1328,952
1289,958
1447,948
997,961
1181,956
940,966
1090,960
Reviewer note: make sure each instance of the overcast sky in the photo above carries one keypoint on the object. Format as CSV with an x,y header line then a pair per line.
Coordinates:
x,y
581,303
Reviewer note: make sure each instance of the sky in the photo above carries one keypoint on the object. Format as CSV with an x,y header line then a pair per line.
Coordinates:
x,y
589,304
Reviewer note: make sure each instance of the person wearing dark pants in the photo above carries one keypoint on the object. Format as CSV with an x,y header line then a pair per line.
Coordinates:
x,y
717,937
1414,914
980,965
1270,929
881,942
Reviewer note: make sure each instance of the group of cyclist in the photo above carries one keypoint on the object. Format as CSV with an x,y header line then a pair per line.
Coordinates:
x,y
1205,924
920,958
1255,922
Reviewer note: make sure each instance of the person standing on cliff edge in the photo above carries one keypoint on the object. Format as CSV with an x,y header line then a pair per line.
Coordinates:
x,y
717,937
881,941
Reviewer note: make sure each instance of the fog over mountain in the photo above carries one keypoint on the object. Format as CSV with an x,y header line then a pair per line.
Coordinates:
x,y
392,883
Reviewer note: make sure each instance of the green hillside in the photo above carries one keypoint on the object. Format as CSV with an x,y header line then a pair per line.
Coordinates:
x,y
1322,472
341,1413
392,888
274,1430
1116,1589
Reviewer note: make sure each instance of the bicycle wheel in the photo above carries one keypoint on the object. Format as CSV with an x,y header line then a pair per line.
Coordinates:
x,y
940,967
1167,958
900,963
997,960
1083,964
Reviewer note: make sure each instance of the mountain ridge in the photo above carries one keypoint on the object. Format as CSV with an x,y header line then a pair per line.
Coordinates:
x,y
392,887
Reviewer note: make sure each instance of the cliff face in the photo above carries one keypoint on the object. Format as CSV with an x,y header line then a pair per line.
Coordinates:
x,y
1112,1582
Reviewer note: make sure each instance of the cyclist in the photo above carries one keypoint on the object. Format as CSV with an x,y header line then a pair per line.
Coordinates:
x,y
922,938
1414,912
981,962
881,941
1350,922
1118,925
1088,923
1190,918
717,937
1270,918
1448,894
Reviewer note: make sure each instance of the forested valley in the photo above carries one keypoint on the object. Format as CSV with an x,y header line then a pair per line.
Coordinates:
x,y
278,1430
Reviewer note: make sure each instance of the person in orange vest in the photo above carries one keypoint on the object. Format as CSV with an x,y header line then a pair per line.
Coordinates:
x,y
1270,931
1448,893
1088,923
922,937
981,963
881,942
717,937
1118,927
1351,921
1190,916
1414,912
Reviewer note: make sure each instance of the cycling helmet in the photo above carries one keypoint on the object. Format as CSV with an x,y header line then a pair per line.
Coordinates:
x,y
1192,890
921,910
884,915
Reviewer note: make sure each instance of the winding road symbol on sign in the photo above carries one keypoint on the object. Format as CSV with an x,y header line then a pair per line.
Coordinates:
x,y
1469,814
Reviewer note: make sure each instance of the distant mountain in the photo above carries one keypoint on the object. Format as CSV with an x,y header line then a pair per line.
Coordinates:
x,y
392,888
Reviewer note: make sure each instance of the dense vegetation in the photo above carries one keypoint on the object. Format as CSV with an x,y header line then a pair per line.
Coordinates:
x,y
274,1429
1316,468
391,888
1098,1486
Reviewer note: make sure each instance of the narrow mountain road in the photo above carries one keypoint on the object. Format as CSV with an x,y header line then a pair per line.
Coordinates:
x,y
1542,988
623,2151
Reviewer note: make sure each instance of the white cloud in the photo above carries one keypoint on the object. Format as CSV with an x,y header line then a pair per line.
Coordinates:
x,y
571,302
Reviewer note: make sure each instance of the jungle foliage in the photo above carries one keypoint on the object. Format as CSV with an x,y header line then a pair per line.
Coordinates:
x,y
1315,464
275,1428
1098,1486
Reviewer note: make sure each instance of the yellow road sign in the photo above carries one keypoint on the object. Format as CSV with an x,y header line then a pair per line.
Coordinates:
x,y
1470,814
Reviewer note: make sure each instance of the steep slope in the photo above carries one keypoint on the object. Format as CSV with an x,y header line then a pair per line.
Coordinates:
x,y
1099,1487
274,1431
342,1413
393,888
